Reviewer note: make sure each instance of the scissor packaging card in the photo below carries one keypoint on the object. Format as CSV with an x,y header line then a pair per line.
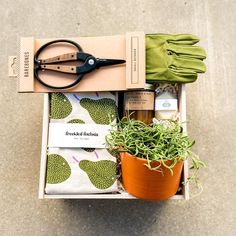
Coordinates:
x,y
129,75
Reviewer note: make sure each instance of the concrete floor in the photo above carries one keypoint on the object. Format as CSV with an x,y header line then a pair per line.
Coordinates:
x,y
211,117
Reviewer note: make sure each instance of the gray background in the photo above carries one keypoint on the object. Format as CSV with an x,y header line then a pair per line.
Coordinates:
x,y
211,121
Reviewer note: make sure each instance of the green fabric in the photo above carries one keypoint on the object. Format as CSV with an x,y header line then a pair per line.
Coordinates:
x,y
173,58
102,174
60,106
102,111
58,169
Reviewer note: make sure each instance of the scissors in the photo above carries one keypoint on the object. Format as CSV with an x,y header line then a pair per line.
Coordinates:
x,y
90,63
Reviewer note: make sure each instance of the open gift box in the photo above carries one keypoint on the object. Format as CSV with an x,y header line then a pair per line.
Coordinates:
x,y
183,192
129,76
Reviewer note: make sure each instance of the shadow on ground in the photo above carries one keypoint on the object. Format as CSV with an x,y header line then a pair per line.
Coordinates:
x,y
115,217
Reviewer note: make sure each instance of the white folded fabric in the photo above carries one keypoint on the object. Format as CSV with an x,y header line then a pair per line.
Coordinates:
x,y
81,170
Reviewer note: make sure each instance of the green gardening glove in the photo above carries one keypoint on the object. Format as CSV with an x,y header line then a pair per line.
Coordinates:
x,y
173,58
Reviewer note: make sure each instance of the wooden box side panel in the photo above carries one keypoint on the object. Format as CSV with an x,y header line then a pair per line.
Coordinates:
x,y
43,162
183,119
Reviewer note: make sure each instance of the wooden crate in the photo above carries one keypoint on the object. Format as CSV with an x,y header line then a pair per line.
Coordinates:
x,y
184,194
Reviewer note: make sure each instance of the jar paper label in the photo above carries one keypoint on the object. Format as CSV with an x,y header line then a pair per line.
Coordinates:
x,y
139,100
166,105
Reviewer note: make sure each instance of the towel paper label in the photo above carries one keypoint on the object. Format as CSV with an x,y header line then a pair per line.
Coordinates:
x,y
77,135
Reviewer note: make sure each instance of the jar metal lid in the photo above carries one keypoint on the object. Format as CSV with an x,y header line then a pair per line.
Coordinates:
x,y
149,86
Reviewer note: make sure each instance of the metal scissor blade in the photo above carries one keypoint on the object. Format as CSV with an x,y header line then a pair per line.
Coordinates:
x,y
109,62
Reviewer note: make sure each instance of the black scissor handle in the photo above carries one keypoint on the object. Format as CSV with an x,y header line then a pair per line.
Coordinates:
x,y
38,63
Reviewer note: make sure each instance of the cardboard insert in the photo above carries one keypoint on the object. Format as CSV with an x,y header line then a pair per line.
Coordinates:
x,y
183,194
129,47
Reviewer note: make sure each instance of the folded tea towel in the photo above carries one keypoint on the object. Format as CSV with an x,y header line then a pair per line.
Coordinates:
x,y
75,171
81,170
89,108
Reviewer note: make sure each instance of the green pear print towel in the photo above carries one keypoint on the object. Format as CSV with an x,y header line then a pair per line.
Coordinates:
x,y
81,170
89,108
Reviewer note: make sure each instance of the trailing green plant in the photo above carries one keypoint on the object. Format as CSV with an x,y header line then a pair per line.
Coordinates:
x,y
158,142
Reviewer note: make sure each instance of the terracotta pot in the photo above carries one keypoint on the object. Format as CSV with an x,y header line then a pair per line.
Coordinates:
x,y
147,184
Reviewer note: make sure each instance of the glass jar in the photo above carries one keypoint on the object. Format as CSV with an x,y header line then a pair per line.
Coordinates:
x,y
139,104
166,102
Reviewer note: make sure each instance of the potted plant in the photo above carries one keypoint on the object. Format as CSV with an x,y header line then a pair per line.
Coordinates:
x,y
152,156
